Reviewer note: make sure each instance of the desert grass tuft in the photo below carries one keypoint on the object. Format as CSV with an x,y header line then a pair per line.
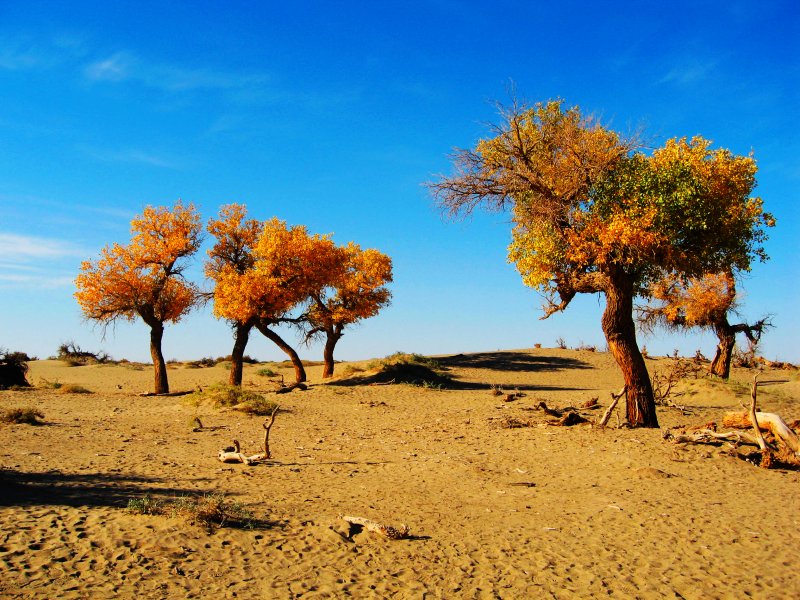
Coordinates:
x,y
210,511
223,395
73,388
22,416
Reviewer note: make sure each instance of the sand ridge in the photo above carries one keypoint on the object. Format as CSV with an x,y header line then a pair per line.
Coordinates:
x,y
494,513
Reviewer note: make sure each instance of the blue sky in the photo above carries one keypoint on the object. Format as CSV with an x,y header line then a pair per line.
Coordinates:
x,y
333,115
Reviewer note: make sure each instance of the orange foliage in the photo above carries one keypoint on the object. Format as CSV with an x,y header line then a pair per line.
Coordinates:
x,y
285,265
143,278
697,302
356,289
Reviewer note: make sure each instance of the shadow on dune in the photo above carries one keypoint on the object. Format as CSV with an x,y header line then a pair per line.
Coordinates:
x,y
442,377
85,489
511,361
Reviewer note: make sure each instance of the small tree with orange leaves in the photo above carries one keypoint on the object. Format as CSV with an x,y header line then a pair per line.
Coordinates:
x,y
288,264
594,215
145,278
355,290
230,258
705,302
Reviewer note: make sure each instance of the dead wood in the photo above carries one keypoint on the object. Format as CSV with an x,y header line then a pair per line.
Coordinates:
x,y
591,403
515,423
709,436
571,418
614,400
285,389
267,426
553,412
234,455
766,422
387,531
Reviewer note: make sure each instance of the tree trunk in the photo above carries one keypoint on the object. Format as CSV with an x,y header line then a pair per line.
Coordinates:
x,y
160,368
299,371
721,365
241,334
327,353
620,332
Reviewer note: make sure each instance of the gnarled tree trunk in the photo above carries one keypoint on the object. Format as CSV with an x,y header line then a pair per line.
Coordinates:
x,y
299,370
160,368
241,334
721,365
620,332
327,353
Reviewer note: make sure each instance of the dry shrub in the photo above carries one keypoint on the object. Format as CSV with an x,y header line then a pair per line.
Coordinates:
x,y
13,369
665,380
26,416
74,356
72,388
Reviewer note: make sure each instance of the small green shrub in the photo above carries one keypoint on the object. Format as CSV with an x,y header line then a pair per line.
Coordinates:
x,y
266,372
22,416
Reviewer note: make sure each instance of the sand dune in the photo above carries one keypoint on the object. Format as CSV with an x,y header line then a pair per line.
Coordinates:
x,y
537,512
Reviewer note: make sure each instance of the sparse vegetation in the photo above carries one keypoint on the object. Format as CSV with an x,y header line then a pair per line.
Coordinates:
x,y
210,511
27,416
266,372
72,388
414,369
561,344
13,369
232,396
75,356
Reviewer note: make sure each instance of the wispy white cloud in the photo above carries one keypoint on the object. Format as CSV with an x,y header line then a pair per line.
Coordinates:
x,y
689,72
131,155
123,66
15,247
38,281
32,52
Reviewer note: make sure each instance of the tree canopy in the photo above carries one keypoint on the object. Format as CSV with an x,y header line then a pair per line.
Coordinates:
x,y
144,279
592,213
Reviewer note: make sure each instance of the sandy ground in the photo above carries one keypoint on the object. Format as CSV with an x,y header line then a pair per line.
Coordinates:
x,y
538,512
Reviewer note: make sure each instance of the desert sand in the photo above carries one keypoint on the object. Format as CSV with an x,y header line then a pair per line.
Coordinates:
x,y
535,512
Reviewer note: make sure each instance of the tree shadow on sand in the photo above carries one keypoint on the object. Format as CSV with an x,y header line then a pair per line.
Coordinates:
x,y
54,488
512,361
441,377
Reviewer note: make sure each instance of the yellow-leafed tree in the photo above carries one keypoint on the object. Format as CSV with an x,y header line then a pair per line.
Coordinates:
x,y
144,279
592,214
355,290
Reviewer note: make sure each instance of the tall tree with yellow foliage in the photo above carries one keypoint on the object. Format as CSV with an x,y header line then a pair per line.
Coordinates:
x,y
355,289
145,278
592,214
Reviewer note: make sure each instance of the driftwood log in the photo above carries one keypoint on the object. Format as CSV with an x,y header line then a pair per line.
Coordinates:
x,y
766,422
387,531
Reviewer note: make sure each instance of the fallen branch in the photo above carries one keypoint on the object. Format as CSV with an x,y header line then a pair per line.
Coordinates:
x,y
385,530
288,388
767,422
708,436
614,400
